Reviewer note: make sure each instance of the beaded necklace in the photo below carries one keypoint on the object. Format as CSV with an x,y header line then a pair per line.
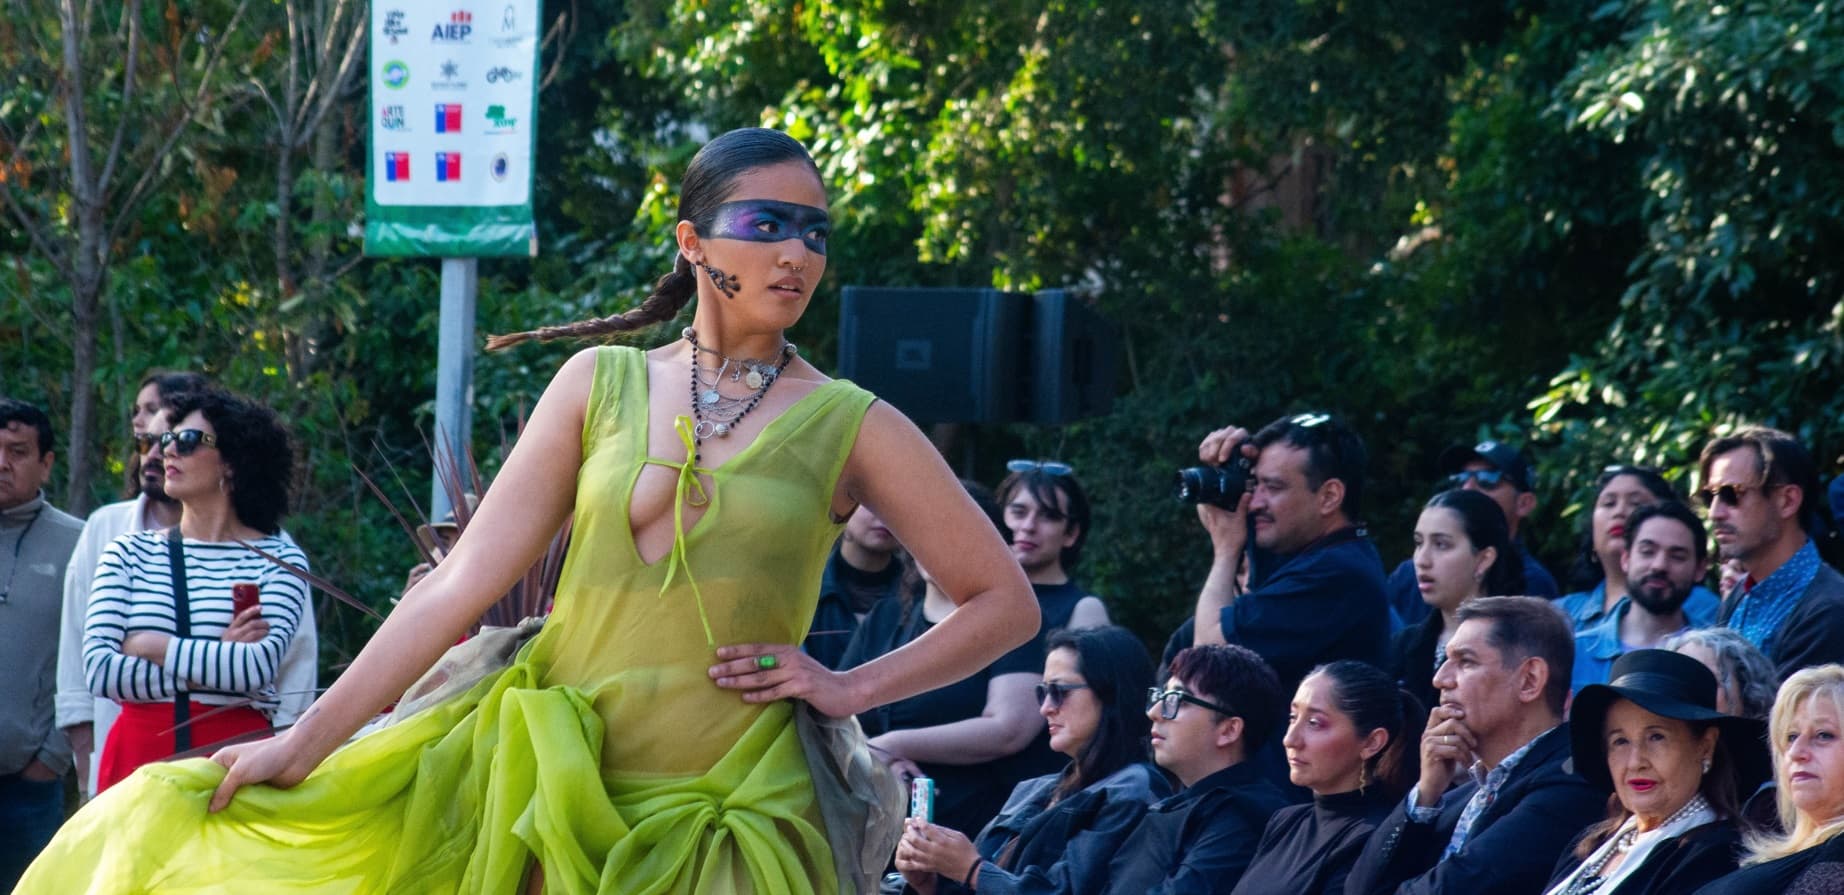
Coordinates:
x,y
716,412
1590,878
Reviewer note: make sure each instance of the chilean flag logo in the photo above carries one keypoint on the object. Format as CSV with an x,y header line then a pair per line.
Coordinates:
x,y
396,166
447,166
447,118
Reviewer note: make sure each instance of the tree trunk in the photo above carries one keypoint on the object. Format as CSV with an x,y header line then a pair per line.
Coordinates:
x,y
87,282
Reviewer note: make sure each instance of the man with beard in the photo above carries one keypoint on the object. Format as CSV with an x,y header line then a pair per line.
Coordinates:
x,y
84,717
1666,555
1766,508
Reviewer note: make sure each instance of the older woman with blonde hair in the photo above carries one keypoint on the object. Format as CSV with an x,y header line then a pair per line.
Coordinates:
x,y
1807,733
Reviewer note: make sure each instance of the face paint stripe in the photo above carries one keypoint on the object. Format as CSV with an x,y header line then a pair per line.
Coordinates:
x,y
744,220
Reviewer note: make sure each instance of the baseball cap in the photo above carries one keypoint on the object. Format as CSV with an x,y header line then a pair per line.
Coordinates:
x,y
1507,459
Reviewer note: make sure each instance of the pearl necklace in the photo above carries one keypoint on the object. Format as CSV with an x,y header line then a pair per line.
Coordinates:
x,y
1590,879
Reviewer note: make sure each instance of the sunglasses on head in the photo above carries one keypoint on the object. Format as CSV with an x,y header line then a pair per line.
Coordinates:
x,y
1047,467
1056,692
185,441
1487,478
1728,494
1168,702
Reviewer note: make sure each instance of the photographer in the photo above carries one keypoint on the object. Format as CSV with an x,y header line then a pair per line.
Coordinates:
x,y
1321,598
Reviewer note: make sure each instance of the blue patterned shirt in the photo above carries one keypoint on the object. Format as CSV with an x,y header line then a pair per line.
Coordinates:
x,y
1764,606
1490,782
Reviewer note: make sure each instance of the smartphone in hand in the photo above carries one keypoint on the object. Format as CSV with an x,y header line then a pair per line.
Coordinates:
x,y
243,596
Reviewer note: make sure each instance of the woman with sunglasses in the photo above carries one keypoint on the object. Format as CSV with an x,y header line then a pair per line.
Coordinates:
x,y
650,736
190,665
1463,551
1060,827
977,737
1046,521
1600,583
1351,738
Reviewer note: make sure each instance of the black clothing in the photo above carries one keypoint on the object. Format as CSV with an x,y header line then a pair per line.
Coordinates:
x,y
1813,633
1695,857
1056,603
1514,843
1199,841
1322,604
1801,873
1309,849
845,593
1063,847
966,796
1412,653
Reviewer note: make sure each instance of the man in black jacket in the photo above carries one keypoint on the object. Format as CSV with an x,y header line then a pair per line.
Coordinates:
x,y
1499,730
1766,507
1221,703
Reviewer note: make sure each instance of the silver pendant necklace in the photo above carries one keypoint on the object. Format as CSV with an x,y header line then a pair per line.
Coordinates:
x,y
717,413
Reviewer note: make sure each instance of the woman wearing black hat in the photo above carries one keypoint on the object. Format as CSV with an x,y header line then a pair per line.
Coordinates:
x,y
1674,764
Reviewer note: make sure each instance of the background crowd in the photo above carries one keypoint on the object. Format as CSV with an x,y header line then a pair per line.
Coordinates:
x,y
1316,725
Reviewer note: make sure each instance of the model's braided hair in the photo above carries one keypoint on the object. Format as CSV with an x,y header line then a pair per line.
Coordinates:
x,y
709,179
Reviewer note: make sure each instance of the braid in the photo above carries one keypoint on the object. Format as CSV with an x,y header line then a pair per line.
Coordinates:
x,y
666,301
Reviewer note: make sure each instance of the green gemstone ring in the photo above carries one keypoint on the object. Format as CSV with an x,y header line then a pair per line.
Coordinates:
x,y
765,662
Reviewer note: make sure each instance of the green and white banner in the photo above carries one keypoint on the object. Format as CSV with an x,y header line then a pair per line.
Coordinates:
x,y
454,114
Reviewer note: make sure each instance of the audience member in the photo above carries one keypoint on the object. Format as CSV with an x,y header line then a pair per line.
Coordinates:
x,y
1808,754
976,738
1666,555
1600,583
1323,600
34,754
1047,521
189,666
1460,541
1676,767
435,539
84,716
1761,488
1220,704
1744,677
1501,830
1350,739
862,572
1502,473
1063,828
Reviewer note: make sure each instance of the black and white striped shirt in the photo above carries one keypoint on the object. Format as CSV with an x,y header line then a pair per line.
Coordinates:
x,y
133,591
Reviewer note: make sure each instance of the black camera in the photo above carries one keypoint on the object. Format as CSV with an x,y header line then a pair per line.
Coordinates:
x,y
1221,486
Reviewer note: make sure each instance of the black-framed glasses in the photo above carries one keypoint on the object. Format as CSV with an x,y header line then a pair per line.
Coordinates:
x,y
1047,467
1056,692
1729,494
1487,478
1167,701
185,441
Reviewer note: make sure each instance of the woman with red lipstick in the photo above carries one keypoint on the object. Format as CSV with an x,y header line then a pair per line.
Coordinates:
x,y
1675,766
1619,491
1807,732
1459,542
1059,829
1351,738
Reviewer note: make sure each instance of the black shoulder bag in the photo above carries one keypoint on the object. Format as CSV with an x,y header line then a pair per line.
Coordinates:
x,y
182,628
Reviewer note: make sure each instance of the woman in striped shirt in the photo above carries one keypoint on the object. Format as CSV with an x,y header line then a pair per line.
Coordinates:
x,y
228,463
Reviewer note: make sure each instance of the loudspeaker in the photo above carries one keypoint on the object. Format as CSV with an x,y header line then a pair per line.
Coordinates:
x,y
1073,360
938,355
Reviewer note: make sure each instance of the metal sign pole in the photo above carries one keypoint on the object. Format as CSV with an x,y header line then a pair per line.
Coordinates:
x,y
454,377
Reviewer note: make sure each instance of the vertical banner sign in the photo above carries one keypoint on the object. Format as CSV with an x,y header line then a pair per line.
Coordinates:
x,y
454,114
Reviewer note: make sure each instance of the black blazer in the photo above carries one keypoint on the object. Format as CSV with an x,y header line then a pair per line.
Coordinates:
x,y
1514,844
1698,856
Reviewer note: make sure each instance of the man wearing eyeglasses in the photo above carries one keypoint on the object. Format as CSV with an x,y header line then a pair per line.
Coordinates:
x,y
1501,472
1765,507
1221,704
1321,597
35,543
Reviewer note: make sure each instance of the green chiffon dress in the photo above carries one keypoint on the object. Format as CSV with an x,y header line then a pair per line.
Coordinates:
x,y
603,750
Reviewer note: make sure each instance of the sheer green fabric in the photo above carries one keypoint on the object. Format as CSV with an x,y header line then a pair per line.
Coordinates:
x,y
698,791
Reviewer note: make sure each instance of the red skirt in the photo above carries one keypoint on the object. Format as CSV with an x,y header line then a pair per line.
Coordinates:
x,y
144,733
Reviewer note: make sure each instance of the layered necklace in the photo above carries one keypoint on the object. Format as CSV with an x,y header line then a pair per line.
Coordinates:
x,y
1591,877
717,413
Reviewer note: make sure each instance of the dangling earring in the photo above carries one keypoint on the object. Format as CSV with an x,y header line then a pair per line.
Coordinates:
x,y
1706,765
1363,777
725,282
221,486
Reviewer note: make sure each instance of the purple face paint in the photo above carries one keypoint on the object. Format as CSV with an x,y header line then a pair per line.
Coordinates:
x,y
766,220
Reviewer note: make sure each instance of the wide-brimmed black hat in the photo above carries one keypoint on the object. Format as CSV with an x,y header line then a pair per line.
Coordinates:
x,y
1672,685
